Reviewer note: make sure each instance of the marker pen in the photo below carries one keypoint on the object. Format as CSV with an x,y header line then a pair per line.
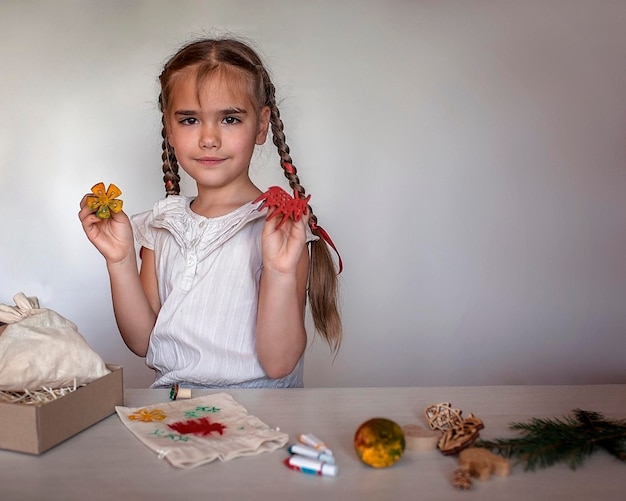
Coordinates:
x,y
309,452
310,466
316,443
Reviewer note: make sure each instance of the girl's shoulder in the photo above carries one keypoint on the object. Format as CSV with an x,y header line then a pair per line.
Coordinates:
x,y
172,208
171,205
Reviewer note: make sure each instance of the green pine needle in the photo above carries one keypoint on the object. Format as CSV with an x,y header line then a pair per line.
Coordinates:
x,y
545,442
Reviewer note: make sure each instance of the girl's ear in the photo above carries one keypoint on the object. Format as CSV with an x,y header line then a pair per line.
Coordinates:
x,y
264,124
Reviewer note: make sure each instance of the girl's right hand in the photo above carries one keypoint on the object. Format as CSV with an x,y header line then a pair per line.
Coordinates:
x,y
113,237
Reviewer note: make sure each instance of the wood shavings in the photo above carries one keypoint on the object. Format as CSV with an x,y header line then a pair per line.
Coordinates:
x,y
36,396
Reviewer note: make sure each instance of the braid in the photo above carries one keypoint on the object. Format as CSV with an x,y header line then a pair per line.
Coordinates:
x,y
278,136
323,282
171,178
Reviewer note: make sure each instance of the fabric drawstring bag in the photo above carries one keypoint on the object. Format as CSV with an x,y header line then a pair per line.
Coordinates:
x,y
189,433
41,349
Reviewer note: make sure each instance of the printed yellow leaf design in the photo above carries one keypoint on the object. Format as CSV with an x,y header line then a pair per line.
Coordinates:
x,y
104,202
148,415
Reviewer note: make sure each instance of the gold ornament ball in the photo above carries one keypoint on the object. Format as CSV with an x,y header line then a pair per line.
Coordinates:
x,y
379,442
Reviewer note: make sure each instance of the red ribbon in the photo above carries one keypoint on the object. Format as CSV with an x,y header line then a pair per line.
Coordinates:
x,y
328,240
289,168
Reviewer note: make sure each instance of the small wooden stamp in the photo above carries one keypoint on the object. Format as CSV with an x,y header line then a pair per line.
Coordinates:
x,y
417,438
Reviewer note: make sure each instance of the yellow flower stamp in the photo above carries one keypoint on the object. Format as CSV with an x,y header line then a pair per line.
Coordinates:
x,y
104,202
147,415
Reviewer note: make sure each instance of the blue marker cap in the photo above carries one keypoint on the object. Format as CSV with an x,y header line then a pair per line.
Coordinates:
x,y
309,452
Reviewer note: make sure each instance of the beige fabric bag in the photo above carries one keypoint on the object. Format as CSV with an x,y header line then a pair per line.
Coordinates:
x,y
190,433
39,348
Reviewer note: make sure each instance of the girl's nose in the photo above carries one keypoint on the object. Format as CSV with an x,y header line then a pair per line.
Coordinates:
x,y
209,136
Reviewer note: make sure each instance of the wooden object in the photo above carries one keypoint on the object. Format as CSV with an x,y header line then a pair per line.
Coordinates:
x,y
456,439
481,463
458,432
419,439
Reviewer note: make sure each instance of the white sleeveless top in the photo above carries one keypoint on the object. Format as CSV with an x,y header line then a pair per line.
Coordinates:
x,y
208,273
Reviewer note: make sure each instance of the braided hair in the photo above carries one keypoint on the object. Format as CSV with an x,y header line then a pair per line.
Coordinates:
x,y
237,59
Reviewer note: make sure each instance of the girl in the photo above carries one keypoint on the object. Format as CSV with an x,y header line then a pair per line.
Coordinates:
x,y
219,298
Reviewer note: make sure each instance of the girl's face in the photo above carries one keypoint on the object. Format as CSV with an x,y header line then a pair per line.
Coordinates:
x,y
213,130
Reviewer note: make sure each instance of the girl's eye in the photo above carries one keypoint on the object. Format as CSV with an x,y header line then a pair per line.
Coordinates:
x,y
230,120
189,121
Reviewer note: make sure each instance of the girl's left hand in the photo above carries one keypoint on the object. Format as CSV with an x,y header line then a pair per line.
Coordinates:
x,y
283,247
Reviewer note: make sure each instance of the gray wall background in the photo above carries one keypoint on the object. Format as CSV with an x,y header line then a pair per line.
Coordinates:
x,y
468,158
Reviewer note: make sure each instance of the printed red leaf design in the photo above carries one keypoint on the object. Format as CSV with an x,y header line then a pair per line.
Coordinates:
x,y
202,427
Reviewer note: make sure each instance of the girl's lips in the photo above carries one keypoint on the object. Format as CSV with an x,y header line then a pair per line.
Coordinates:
x,y
209,160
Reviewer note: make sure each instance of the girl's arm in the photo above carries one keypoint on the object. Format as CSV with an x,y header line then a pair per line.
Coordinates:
x,y
280,334
134,313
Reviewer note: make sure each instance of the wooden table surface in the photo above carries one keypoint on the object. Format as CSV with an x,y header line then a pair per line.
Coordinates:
x,y
107,462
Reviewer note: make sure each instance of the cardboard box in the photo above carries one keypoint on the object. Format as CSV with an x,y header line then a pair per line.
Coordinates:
x,y
35,428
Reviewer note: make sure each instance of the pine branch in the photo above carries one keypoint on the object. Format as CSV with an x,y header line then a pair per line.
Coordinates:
x,y
545,442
